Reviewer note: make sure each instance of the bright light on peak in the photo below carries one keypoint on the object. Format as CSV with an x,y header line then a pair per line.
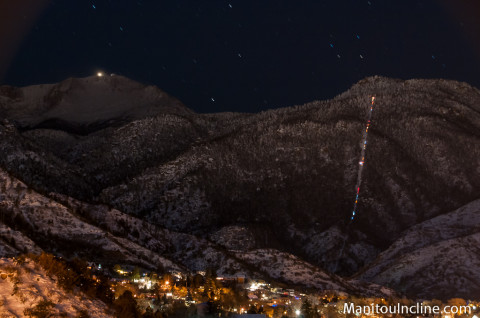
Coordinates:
x,y
99,74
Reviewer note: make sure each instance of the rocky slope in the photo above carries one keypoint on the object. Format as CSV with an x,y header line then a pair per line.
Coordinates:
x,y
283,178
30,222
436,257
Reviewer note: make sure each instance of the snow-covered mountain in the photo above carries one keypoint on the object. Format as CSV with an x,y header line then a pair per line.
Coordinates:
x,y
156,181
436,258
83,105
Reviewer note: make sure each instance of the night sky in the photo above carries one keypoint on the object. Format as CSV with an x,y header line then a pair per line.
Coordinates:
x,y
240,55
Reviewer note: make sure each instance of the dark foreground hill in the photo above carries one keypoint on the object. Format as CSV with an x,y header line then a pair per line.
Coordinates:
x,y
281,179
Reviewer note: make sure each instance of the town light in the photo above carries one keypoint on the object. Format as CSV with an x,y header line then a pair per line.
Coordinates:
x,y
297,312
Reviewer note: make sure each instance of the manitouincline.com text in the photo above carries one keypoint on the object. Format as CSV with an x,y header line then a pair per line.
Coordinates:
x,y
398,309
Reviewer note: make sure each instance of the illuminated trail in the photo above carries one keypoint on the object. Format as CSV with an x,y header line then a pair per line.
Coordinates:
x,y
361,165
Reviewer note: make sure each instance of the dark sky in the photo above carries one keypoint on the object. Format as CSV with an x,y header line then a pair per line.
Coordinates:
x,y
242,55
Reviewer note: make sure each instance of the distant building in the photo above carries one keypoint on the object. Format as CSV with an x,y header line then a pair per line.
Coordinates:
x,y
239,279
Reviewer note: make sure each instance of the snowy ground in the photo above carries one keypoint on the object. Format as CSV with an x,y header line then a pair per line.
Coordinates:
x,y
438,257
24,286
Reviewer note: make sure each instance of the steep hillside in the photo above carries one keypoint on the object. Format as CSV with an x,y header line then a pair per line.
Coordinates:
x,y
30,222
294,271
26,289
433,258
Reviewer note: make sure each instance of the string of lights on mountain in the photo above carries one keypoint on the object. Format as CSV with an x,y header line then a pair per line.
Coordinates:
x,y
362,162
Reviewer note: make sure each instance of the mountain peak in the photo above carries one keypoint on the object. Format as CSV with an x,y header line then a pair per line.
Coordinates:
x,y
386,85
83,102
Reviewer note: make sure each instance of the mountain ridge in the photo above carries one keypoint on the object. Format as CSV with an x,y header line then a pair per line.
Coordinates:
x,y
85,105
201,174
